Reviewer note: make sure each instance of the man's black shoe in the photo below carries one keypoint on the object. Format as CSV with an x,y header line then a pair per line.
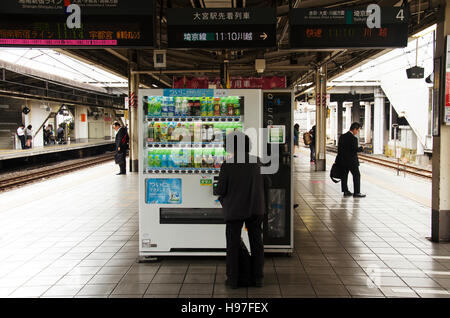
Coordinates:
x,y
359,195
121,173
233,285
347,194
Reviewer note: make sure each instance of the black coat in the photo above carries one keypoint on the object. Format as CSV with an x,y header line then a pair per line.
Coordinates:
x,y
242,189
122,139
348,151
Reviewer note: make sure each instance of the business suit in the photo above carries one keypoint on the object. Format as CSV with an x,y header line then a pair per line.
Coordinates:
x,y
347,158
122,143
241,187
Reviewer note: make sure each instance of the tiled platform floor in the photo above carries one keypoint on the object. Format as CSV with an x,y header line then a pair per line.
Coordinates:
x,y
76,236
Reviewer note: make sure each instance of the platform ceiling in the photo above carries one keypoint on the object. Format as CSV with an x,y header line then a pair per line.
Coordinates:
x,y
297,65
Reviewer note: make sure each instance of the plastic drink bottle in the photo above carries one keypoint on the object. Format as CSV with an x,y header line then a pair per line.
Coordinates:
x,y
203,107
210,132
178,106
164,108
210,107
155,106
148,102
184,107
150,137
237,107
170,107
223,106
216,106
230,106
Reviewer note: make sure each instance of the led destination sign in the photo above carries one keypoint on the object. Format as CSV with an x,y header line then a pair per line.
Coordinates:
x,y
113,23
221,28
348,28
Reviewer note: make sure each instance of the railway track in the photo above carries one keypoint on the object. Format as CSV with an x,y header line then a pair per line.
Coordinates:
x,y
400,167
14,181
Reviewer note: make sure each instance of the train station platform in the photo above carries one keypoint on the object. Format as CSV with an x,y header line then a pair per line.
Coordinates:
x,y
21,153
77,236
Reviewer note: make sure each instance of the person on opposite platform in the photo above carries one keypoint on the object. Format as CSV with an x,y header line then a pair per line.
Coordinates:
x,y
122,140
242,188
29,137
347,159
21,135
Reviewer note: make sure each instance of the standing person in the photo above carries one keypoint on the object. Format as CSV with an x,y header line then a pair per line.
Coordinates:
x,y
21,135
312,146
121,147
60,134
241,188
347,158
29,136
296,134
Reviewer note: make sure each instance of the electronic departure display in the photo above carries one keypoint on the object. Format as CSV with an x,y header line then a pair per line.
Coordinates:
x,y
104,23
221,28
347,28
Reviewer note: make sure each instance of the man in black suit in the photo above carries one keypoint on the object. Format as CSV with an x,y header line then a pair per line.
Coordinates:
x,y
242,189
312,146
121,146
347,159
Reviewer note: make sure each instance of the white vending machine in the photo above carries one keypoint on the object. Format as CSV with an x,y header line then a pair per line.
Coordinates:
x,y
181,150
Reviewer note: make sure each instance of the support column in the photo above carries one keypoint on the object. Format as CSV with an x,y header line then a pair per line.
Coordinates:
x,y
378,123
321,118
339,116
133,84
390,123
440,217
367,122
333,132
348,116
356,113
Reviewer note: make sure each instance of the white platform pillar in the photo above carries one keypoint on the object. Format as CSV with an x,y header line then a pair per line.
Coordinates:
x,y
333,123
348,116
378,122
367,122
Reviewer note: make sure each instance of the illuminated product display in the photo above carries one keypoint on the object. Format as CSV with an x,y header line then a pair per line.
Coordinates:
x,y
347,28
186,134
120,23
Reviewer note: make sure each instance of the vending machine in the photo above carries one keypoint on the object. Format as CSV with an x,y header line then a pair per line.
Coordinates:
x,y
181,150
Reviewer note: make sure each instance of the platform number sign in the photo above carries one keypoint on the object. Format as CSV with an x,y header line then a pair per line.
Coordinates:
x,y
349,27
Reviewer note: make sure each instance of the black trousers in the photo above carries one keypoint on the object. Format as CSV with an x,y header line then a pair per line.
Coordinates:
x,y
312,148
255,235
22,141
356,179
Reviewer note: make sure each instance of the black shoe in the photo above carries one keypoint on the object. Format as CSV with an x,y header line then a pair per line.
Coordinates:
x,y
347,194
359,195
233,285
121,173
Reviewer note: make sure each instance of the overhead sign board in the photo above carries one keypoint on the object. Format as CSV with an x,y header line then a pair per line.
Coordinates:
x,y
221,28
103,23
319,28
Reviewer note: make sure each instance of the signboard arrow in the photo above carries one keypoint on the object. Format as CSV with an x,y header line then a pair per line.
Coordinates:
x,y
263,36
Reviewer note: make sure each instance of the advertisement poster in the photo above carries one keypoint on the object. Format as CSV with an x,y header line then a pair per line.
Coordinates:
x,y
447,85
163,191
277,134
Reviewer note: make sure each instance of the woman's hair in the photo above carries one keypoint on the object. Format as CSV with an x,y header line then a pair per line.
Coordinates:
x,y
296,126
29,127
